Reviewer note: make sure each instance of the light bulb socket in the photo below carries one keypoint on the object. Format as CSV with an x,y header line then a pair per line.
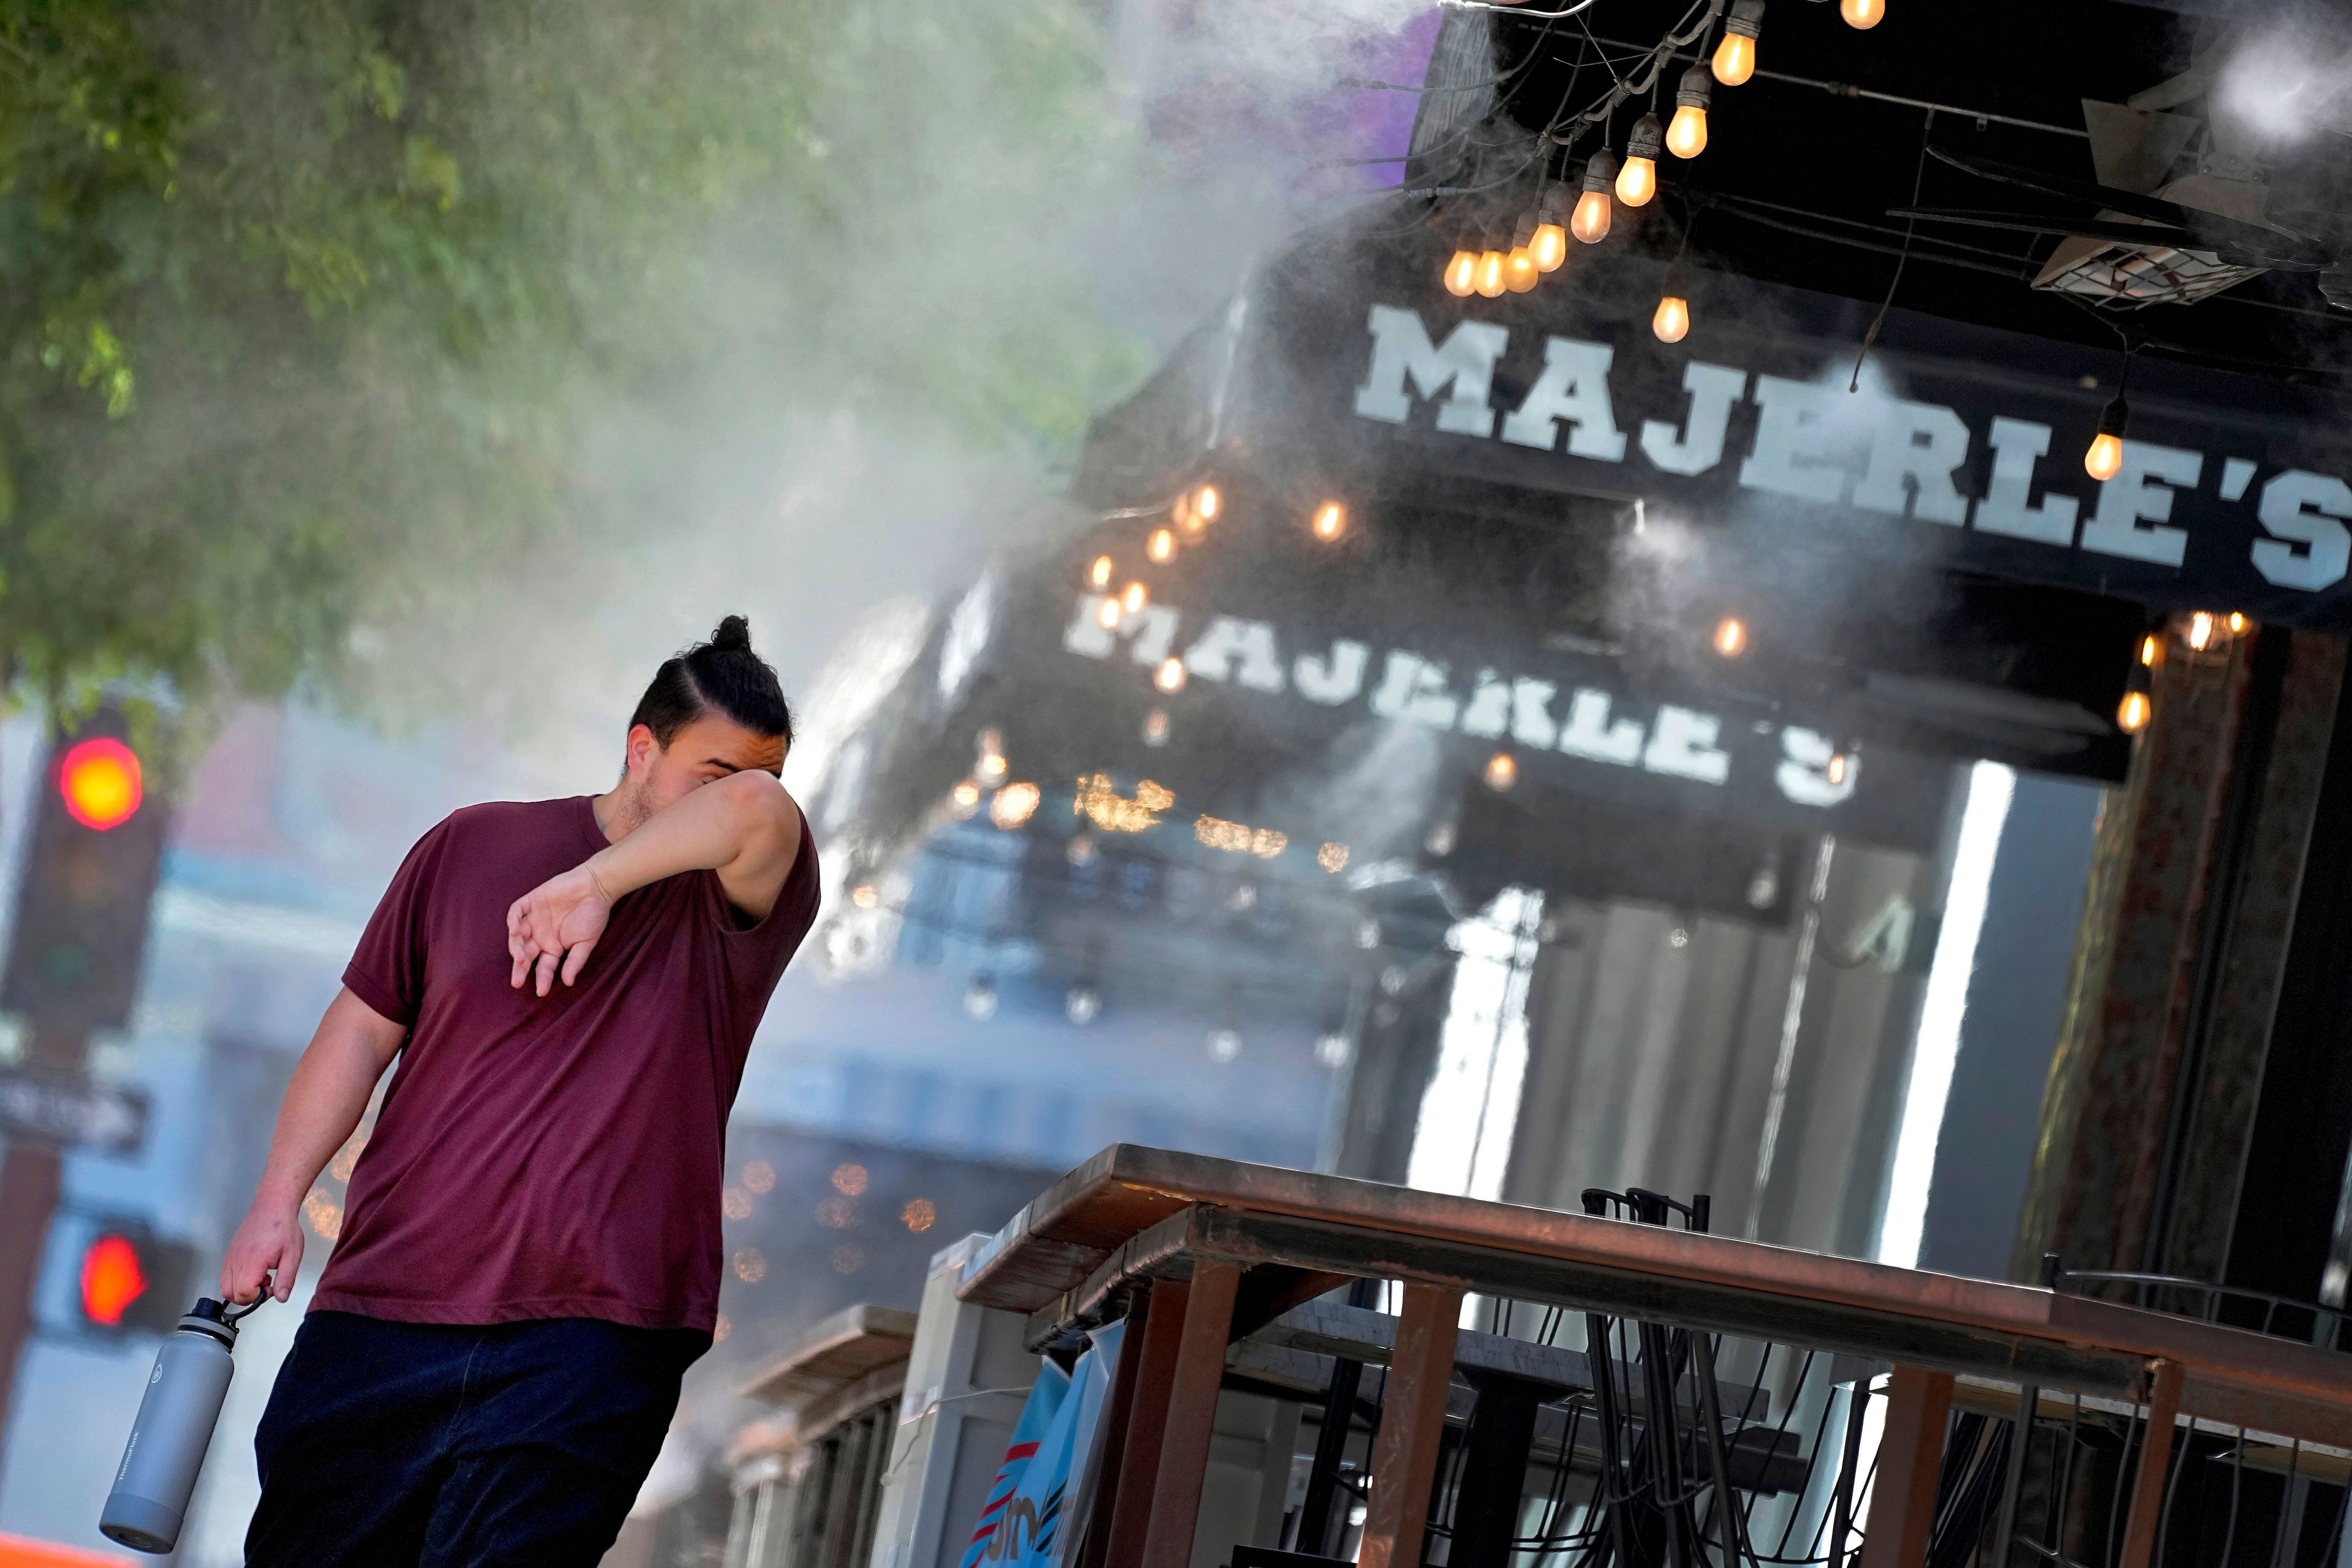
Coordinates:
x,y
1554,206
1526,232
2115,420
1746,18
1697,89
1647,139
1600,170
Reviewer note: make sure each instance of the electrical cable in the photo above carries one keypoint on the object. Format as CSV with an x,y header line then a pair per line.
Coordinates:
x,y
1910,226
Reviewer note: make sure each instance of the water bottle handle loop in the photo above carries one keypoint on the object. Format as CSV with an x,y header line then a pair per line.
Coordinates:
x,y
232,1314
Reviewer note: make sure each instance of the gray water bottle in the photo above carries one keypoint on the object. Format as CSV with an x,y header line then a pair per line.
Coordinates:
x,y
158,1474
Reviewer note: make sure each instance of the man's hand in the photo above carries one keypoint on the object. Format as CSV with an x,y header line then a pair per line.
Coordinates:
x,y
556,924
269,1240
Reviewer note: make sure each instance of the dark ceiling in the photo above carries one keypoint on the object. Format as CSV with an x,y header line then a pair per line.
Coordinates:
x,y
1797,180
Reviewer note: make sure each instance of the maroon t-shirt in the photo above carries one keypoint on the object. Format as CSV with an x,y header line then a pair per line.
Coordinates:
x,y
557,1156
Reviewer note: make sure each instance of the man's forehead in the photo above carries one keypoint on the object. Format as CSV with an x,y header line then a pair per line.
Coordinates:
x,y
713,739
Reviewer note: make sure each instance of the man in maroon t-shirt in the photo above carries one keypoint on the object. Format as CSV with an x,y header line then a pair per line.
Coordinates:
x,y
530,1254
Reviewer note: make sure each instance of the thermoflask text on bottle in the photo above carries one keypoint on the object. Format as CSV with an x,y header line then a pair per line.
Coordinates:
x,y
183,1402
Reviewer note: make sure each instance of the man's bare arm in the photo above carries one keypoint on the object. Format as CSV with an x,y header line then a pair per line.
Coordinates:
x,y
324,1103
743,826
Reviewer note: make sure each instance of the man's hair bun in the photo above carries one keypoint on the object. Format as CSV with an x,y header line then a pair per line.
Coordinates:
x,y
723,676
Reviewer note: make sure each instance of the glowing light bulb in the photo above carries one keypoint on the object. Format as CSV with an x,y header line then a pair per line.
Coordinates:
x,y
1840,765
1637,182
2201,631
2237,623
2104,460
1502,771
1330,520
1170,677
1491,281
1106,612
1207,502
1735,58
1550,247
1591,223
1134,599
1863,14
1462,274
1520,272
2151,648
1161,546
1672,322
1731,637
1686,137
2132,713
1100,573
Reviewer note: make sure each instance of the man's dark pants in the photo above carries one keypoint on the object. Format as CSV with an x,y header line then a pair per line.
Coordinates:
x,y
425,1446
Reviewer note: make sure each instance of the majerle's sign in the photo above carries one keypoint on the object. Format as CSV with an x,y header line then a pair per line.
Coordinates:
x,y
1955,446
1566,716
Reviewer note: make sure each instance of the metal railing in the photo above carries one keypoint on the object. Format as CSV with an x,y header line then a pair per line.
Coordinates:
x,y
1634,1391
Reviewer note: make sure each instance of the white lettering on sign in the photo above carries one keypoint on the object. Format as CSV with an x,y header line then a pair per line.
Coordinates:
x,y
1679,742
1149,631
2008,506
1591,734
1820,443
2141,493
1332,680
1229,642
1804,771
1793,456
1573,391
1401,352
1414,688
1489,712
2306,510
1914,453
1683,743
1699,446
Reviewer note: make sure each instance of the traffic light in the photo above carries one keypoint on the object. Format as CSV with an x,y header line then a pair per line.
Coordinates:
x,y
130,1279
90,869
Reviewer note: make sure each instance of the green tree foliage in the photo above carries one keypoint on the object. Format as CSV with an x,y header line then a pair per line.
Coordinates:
x,y
308,299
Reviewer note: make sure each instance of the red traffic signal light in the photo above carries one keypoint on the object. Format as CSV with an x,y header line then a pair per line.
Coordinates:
x,y
132,1279
113,1278
99,781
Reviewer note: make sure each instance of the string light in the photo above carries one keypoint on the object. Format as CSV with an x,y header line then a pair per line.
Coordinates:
x,y
1731,637
1549,244
1591,223
1106,612
1014,805
1491,281
2201,631
1502,771
1686,137
1735,58
1330,520
2151,648
2237,623
2132,715
1207,501
1840,767
2104,460
1637,182
1171,676
1462,274
1863,14
1672,322
1135,598
1520,272
1155,727
1162,545
1100,573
